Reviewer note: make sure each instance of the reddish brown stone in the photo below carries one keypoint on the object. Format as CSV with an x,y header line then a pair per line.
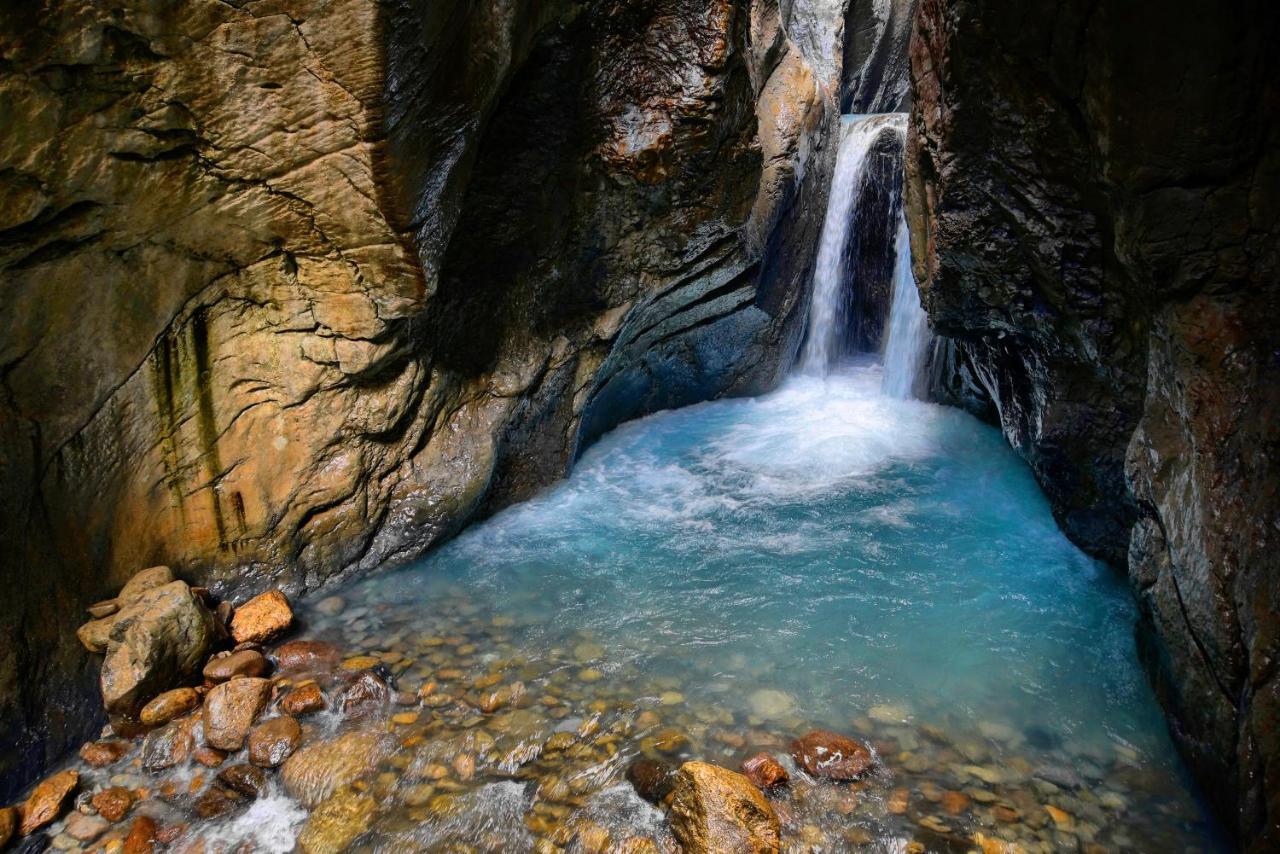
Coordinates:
x,y
100,754
113,804
245,779
141,838
364,694
169,833
831,756
303,700
262,618
209,757
302,656
230,710
955,802
244,663
271,743
47,801
765,772
169,705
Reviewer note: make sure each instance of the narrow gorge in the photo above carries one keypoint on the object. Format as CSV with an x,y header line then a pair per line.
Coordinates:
x,y
641,426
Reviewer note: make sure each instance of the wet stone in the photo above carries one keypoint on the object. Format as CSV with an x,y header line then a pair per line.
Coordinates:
x,y
765,772
247,662
230,710
169,705
85,828
714,809
304,656
303,700
364,695
271,743
651,779
262,618
113,804
47,801
215,802
831,756
8,825
248,780
99,754
209,757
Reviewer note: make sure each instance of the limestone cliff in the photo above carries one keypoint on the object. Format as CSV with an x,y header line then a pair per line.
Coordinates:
x,y
1094,190
294,288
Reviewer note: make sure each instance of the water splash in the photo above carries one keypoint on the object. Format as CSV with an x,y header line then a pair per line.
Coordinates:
x,y
907,341
828,312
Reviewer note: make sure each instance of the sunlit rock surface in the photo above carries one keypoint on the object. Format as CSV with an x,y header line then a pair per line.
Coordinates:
x,y
285,300
1094,191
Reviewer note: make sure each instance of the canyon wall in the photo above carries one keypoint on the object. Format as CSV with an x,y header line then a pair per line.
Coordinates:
x,y
295,288
1094,191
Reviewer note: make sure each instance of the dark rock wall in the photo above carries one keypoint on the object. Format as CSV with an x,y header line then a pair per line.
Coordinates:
x,y
1094,189
294,288
877,66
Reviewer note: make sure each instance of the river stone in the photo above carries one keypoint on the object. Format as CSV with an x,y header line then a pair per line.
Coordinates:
x,y
303,700
262,618
247,662
113,804
99,754
84,828
651,779
169,705
765,772
364,694
168,746
714,809
144,581
772,705
301,656
317,770
46,801
159,639
831,756
105,608
248,780
336,823
230,710
271,743
141,836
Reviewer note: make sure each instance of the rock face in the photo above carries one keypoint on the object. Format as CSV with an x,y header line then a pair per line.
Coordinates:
x,y
714,809
158,640
361,270
1098,241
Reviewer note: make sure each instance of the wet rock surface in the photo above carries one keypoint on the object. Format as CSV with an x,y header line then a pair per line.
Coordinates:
x,y
1118,319
831,756
715,809
230,710
329,328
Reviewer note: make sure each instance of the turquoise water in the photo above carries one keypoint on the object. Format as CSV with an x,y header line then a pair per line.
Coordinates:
x,y
828,556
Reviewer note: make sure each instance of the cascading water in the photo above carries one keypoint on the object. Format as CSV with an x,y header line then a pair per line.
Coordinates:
x,y
828,311
907,341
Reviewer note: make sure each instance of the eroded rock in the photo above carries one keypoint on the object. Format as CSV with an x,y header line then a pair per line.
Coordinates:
x,y
156,641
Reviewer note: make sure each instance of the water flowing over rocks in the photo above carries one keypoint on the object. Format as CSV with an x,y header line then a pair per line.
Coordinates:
x,y
327,327
1098,242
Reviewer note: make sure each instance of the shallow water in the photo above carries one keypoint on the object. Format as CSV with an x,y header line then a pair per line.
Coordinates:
x,y
709,583
827,556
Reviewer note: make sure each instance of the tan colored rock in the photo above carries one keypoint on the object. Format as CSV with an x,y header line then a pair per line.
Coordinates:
x,y
271,743
319,769
831,756
143,582
47,801
169,705
336,823
301,656
715,810
262,618
113,804
106,608
303,700
84,828
156,641
230,710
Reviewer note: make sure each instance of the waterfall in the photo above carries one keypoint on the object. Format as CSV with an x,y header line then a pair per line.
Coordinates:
x,y
828,312
907,339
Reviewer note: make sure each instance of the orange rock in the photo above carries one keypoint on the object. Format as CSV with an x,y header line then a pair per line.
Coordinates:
x,y
831,755
306,655
209,757
271,743
955,802
230,710
262,618
169,705
99,754
141,838
303,700
714,809
898,801
765,771
8,823
113,804
1061,818
47,801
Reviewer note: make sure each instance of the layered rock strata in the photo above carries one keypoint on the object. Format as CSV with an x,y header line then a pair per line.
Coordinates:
x,y
294,288
1094,199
